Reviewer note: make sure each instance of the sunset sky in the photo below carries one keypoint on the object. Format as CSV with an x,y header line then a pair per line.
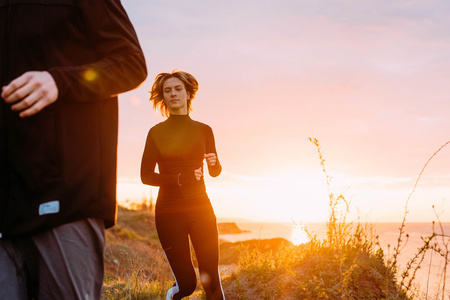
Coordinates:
x,y
369,79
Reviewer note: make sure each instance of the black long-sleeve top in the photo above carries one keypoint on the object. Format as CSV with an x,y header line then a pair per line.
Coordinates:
x,y
177,145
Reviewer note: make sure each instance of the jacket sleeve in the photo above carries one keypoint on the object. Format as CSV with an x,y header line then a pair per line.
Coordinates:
x,y
119,63
215,170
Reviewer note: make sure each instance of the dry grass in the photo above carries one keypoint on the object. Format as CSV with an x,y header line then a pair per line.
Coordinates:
x,y
348,264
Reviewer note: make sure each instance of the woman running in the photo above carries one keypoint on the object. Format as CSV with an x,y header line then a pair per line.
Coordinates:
x,y
179,145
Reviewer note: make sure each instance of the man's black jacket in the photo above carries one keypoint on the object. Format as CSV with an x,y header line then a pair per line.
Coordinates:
x,y
59,165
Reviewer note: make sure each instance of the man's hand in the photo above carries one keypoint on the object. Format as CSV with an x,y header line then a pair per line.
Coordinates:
x,y
30,92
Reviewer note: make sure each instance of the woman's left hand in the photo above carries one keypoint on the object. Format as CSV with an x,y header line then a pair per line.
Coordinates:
x,y
211,159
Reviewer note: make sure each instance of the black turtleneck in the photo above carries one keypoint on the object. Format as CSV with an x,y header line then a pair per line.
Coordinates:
x,y
177,145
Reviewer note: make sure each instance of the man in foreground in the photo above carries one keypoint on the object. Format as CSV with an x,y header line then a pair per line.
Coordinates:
x,y
62,65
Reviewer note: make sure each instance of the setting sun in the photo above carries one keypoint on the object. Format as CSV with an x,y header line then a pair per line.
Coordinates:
x,y
299,235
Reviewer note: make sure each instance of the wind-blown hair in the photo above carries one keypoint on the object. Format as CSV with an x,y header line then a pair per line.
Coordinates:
x,y
157,94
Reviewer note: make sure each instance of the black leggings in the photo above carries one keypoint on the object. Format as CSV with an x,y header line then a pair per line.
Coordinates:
x,y
174,230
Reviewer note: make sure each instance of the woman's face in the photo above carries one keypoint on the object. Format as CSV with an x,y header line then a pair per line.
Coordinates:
x,y
175,96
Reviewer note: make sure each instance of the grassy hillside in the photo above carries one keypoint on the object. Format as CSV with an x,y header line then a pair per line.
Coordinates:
x,y
348,264
136,267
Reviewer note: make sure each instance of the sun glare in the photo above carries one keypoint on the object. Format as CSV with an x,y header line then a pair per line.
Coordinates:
x,y
299,235
90,75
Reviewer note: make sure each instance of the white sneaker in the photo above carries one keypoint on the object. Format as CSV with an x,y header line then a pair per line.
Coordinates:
x,y
171,292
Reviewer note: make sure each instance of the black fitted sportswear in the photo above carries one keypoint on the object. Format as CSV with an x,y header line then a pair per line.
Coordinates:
x,y
183,208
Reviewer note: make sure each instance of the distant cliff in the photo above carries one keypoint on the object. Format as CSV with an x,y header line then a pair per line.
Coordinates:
x,y
229,228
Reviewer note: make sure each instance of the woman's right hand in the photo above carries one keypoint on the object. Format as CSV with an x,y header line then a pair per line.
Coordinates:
x,y
198,174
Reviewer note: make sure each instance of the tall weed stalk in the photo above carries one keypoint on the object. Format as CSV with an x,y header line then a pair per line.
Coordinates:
x,y
349,241
409,273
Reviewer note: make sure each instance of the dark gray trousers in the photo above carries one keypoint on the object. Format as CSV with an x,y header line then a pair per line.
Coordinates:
x,y
65,262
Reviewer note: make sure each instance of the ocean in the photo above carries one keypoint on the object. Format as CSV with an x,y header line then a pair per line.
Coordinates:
x,y
429,276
